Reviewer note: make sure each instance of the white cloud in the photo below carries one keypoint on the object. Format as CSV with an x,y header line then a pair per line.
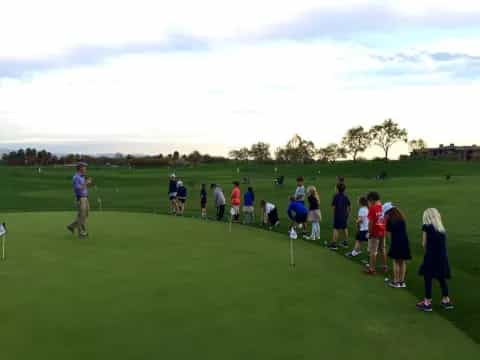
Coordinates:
x,y
235,93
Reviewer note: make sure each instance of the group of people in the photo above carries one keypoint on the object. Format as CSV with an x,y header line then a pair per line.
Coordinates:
x,y
177,193
375,222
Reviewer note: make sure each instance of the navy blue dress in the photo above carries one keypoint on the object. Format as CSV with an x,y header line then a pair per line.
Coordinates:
x,y
399,243
435,261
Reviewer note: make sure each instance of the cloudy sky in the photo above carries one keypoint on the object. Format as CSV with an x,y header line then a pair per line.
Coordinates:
x,y
150,76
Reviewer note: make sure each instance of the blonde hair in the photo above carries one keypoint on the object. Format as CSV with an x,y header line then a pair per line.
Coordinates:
x,y
433,217
312,190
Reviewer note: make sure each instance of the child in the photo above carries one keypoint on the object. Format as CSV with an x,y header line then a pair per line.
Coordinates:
x,y
235,201
314,214
270,214
181,198
203,201
435,261
399,245
300,191
172,193
341,210
248,206
219,198
362,225
297,213
376,230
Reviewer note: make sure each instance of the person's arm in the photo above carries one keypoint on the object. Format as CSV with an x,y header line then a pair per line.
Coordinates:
x,y
424,240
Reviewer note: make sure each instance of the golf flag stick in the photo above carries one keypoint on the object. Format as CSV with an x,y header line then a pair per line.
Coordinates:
x,y
3,237
292,235
4,247
292,254
232,214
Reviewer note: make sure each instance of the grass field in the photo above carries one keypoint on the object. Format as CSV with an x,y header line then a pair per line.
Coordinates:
x,y
147,286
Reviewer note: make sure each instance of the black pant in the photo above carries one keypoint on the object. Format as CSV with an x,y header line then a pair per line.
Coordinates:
x,y
220,212
428,287
273,217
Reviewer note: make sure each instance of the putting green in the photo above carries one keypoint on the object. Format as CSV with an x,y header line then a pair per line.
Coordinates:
x,y
156,287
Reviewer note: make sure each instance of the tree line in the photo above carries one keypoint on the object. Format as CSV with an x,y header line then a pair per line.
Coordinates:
x,y
34,157
298,150
356,141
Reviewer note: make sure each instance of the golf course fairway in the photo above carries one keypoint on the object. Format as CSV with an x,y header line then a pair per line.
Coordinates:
x,y
146,286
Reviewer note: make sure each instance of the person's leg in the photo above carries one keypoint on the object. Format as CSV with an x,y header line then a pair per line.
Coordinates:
x,y
444,288
74,225
335,236
396,271
222,212
274,217
373,250
428,289
403,270
316,225
383,253
82,216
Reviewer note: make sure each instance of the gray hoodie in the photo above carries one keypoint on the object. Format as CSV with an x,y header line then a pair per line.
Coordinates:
x,y
218,196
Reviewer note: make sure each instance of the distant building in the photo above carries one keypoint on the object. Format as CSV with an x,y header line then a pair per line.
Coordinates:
x,y
451,152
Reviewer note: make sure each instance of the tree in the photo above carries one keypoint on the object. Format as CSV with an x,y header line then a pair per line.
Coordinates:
x,y
356,141
240,154
297,150
417,144
387,134
195,157
176,155
331,153
260,151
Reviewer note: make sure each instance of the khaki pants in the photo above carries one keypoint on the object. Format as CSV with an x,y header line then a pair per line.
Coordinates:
x,y
80,222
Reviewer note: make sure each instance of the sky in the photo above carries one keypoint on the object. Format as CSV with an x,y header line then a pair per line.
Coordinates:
x,y
148,76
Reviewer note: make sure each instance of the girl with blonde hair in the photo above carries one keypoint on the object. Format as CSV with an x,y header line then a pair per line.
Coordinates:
x,y
314,214
435,261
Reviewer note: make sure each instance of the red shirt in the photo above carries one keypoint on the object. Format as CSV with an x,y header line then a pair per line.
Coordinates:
x,y
376,217
235,197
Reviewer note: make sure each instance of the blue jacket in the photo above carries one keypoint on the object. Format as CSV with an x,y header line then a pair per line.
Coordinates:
x,y
296,208
248,198
182,192
172,186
